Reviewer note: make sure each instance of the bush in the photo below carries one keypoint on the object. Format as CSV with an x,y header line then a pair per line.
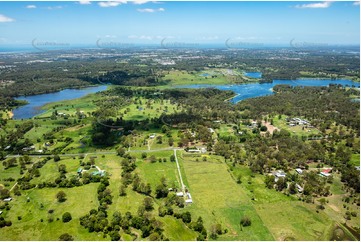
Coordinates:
x,y
66,217
61,196
66,237
263,128
245,221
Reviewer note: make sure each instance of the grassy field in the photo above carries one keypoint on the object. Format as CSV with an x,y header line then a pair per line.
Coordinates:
x,y
147,109
221,76
218,199
30,227
293,217
85,104
295,130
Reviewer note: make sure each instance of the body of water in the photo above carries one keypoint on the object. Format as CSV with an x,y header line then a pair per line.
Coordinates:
x,y
250,90
35,102
253,74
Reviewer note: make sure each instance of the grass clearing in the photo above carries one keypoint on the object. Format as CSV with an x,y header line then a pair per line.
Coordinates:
x,y
218,199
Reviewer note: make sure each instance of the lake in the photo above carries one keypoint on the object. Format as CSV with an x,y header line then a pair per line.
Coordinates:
x,y
35,102
253,74
250,90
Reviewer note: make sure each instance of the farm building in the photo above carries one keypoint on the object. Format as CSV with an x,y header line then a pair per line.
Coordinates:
x,y
188,201
179,194
8,199
299,188
326,172
299,171
101,173
279,174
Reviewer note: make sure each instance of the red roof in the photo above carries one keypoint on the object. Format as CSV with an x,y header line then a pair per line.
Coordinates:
x,y
327,170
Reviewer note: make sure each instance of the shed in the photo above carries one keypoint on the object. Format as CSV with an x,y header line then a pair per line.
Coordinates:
x,y
8,199
299,171
189,201
179,194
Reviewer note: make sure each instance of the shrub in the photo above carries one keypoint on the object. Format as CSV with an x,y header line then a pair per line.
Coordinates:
x,y
66,217
245,221
66,237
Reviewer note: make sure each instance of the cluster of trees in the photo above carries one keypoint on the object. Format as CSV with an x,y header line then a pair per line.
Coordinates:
x,y
98,221
104,193
5,223
322,105
15,137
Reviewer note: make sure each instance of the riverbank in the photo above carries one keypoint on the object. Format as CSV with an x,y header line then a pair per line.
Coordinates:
x,y
10,114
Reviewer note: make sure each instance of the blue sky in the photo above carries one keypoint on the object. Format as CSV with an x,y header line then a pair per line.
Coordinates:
x,y
148,22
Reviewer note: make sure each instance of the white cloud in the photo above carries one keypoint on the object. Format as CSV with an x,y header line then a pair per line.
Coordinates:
x,y
54,7
150,10
84,2
140,1
357,3
31,6
4,19
111,3
315,5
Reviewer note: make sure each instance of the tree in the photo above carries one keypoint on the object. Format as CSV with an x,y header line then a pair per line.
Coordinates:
x,y
61,196
148,203
121,151
172,158
62,168
66,217
186,217
322,203
269,181
245,221
122,191
114,235
161,191
56,158
66,237
292,188
4,193
170,141
144,155
281,184
153,159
